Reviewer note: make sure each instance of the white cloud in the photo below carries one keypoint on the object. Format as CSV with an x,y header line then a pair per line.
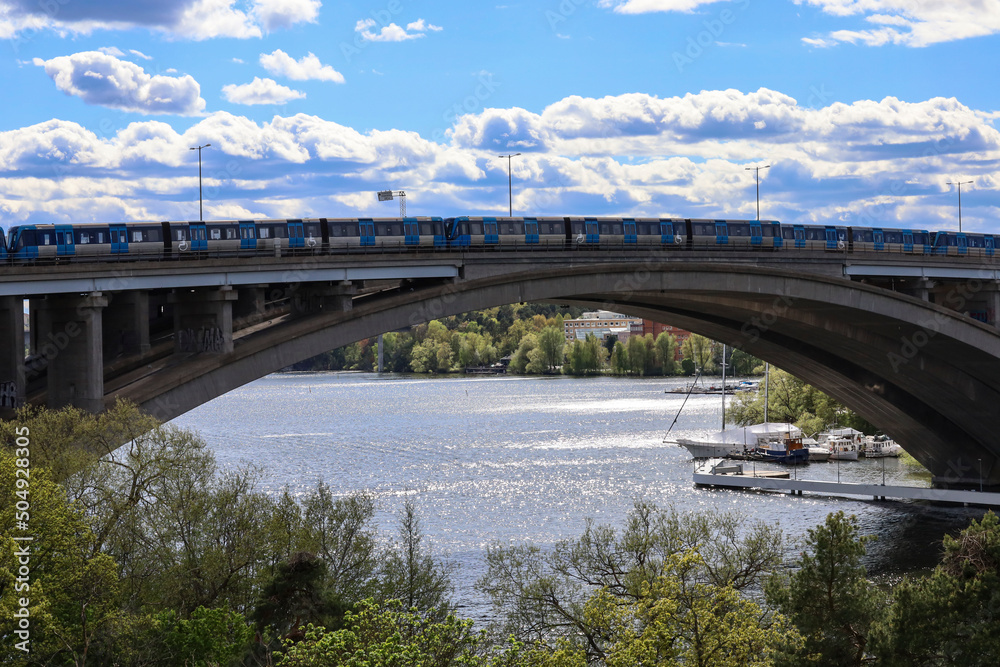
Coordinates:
x,y
647,6
871,162
102,79
140,54
914,24
260,91
275,14
392,32
280,63
111,51
178,19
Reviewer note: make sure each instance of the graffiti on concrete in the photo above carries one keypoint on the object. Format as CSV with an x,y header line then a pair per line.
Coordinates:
x,y
8,395
205,339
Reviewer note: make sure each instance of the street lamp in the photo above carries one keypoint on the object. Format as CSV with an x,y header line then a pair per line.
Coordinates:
x,y
959,184
510,195
198,148
757,174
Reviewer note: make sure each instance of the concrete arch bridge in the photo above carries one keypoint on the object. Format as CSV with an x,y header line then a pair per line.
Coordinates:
x,y
910,343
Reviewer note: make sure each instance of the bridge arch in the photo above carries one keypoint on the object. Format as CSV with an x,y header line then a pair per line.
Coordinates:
x,y
925,374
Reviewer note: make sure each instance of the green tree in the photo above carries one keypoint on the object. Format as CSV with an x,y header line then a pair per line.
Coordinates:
x,y
950,617
828,597
411,574
666,347
619,359
388,636
543,594
551,342
520,360
585,357
640,353
700,351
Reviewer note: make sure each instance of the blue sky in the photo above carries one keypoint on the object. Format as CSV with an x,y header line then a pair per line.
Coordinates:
x,y
864,108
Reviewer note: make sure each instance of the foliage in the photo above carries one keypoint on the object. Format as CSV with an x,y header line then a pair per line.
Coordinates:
x,y
585,357
950,617
387,636
411,574
544,594
789,399
700,350
829,598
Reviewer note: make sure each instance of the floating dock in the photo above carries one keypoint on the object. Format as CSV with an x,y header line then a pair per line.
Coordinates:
x,y
876,491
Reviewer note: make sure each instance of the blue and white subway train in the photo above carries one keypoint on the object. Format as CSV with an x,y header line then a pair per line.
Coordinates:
x,y
41,243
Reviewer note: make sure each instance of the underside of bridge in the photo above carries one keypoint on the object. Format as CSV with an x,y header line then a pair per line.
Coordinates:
x,y
925,374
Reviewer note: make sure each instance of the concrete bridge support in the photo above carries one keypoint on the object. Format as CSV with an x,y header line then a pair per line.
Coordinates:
x,y
11,352
70,342
203,320
126,324
312,298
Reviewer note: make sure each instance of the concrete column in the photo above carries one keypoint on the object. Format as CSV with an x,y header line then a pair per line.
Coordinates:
x,y
203,320
250,306
991,296
11,352
126,324
920,289
71,349
310,298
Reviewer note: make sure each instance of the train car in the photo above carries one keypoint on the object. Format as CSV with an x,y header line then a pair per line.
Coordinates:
x,y
355,233
666,232
474,231
703,233
748,233
605,232
3,246
962,244
816,237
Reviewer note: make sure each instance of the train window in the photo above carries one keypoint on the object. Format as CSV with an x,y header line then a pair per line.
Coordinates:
x,y
920,237
45,239
788,233
84,238
426,229
893,237
475,228
136,236
975,241
265,233
703,229
739,229
863,235
216,234
312,230
278,231
230,233
181,235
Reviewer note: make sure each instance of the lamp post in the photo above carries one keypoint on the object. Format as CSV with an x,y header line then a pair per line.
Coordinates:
x,y
198,148
959,184
510,192
757,174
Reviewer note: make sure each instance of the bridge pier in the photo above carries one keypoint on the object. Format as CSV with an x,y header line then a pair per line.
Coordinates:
x,y
126,324
69,340
310,298
203,320
11,352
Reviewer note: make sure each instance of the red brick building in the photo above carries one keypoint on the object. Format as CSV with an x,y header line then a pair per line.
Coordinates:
x,y
655,328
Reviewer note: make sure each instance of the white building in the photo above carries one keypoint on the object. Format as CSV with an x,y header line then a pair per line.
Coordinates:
x,y
601,323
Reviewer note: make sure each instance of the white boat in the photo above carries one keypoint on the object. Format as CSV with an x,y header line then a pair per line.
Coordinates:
x,y
843,449
737,442
817,452
880,446
720,467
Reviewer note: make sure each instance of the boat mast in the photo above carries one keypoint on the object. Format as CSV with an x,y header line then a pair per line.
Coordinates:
x,y
723,386
767,376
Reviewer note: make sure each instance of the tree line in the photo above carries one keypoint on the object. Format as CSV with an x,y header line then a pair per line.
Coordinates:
x,y
533,338
150,554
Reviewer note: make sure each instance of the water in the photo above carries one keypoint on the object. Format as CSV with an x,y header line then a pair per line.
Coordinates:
x,y
513,459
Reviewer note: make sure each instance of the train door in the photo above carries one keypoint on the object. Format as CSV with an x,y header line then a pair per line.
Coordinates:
x,y
667,234
907,241
119,239
491,235
721,233
366,232
248,235
878,237
756,234
629,230
591,230
531,230
296,235
799,235
831,238
199,236
65,244
963,244
988,246
411,232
